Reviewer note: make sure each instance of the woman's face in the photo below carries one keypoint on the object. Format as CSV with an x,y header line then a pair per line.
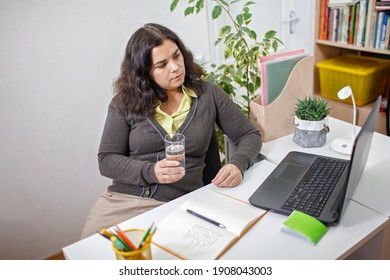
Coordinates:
x,y
168,69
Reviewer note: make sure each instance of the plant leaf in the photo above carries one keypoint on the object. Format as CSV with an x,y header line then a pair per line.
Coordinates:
x,y
225,30
252,34
249,3
270,34
199,6
217,10
188,11
228,37
173,5
224,3
240,19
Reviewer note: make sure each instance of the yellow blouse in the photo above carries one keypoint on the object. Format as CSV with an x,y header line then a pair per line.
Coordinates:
x,y
172,122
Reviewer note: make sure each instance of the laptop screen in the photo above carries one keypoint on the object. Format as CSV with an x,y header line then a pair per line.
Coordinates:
x,y
360,153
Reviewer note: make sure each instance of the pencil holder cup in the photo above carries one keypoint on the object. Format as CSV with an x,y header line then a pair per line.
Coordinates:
x,y
144,253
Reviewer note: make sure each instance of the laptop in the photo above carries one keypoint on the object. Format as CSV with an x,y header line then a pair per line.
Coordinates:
x,y
292,186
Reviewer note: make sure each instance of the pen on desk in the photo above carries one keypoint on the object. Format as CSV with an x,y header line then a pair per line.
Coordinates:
x,y
205,218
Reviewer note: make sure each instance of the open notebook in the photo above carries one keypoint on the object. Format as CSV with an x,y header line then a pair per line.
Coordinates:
x,y
188,236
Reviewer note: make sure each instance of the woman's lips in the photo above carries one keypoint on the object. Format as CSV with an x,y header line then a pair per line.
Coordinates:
x,y
177,77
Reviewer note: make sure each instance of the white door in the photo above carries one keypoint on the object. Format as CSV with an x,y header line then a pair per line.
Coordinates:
x,y
293,20
298,18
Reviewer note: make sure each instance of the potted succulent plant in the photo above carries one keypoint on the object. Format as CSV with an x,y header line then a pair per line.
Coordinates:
x,y
311,122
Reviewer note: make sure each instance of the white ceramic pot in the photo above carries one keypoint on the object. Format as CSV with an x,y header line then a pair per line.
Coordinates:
x,y
310,133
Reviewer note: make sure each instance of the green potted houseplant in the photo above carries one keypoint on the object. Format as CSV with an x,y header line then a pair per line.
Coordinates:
x,y
241,44
311,122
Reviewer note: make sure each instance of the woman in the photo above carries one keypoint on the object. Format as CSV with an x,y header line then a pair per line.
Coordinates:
x,y
159,92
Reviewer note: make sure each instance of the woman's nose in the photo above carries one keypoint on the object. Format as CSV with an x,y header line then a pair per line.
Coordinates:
x,y
173,66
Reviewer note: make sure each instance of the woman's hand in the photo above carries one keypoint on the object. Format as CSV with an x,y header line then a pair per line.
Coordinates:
x,y
168,171
228,176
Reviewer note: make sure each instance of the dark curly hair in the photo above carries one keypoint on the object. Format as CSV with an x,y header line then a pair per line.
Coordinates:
x,y
134,87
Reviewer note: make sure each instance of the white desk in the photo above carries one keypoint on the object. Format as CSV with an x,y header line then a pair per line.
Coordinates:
x,y
373,190
277,149
359,226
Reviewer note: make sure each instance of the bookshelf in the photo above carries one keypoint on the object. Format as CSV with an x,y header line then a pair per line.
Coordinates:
x,y
325,49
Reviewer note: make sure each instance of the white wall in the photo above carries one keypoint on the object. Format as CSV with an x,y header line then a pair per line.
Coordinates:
x,y
57,63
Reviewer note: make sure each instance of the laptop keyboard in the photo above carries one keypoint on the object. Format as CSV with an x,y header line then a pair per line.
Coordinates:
x,y
314,190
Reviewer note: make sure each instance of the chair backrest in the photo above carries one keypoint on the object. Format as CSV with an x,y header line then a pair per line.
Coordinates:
x,y
212,160
387,115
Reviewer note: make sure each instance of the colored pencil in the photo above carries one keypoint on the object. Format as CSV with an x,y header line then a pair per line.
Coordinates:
x,y
124,238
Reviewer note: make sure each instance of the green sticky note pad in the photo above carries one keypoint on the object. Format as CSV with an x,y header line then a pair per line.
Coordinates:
x,y
305,226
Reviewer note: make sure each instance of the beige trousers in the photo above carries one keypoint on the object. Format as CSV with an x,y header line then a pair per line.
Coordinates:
x,y
112,208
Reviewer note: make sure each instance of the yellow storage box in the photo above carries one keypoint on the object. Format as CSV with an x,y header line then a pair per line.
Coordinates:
x,y
367,76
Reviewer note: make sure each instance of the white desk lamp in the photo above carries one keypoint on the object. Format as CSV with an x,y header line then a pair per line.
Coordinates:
x,y
345,145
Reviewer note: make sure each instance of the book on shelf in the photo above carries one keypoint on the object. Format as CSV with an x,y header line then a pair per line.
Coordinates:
x,y
387,35
341,3
335,24
351,24
373,25
323,20
383,32
360,18
379,21
361,27
196,236
345,17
